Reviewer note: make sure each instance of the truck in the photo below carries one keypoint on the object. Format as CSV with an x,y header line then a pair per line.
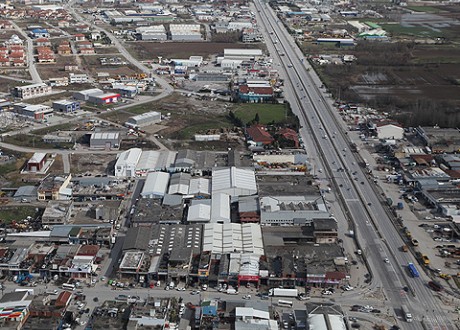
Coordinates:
x,y
280,292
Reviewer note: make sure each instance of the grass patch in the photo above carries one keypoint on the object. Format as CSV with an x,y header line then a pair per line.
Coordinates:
x,y
415,31
197,125
268,113
34,141
54,128
424,9
17,213
7,168
141,108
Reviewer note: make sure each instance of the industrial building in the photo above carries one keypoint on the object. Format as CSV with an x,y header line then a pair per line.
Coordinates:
x,y
126,162
55,187
105,98
152,33
220,208
180,184
199,211
144,119
243,54
66,106
153,160
200,187
85,94
34,112
57,213
185,32
30,91
105,140
156,184
36,162
234,181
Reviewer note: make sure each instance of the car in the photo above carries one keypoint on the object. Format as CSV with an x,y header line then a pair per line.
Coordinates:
x,y
247,296
326,292
424,225
194,292
386,260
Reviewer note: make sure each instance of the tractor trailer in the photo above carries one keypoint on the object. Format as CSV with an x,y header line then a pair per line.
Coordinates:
x,y
278,292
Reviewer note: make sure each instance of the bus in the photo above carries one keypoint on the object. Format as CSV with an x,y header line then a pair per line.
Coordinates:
x,y
67,286
407,314
285,303
413,271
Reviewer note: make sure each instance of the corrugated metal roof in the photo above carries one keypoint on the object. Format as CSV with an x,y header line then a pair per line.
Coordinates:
x,y
156,183
234,181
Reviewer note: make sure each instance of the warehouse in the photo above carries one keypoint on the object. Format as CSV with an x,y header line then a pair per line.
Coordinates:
x,y
105,140
154,32
199,211
36,162
234,182
155,185
243,54
200,187
126,162
220,208
180,183
185,32
144,119
106,98
85,94
152,160
66,106
34,112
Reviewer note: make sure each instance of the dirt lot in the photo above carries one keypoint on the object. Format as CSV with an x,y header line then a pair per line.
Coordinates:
x,y
92,64
95,164
56,70
408,80
150,50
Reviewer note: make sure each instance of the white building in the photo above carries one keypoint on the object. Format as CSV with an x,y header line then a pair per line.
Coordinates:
x,y
185,32
220,208
126,162
199,211
234,182
233,237
153,32
200,186
78,78
390,131
30,91
144,119
239,25
85,94
153,160
243,54
156,184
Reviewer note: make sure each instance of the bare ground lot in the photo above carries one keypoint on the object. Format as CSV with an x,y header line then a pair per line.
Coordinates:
x,y
411,81
151,50
56,70
94,164
93,65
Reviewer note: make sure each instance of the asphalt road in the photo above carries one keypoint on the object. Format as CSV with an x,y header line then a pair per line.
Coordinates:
x,y
377,237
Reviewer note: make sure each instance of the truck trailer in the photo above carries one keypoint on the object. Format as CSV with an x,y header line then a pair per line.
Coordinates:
x,y
278,292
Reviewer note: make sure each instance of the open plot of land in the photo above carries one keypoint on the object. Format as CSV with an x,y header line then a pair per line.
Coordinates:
x,y
151,50
409,80
56,70
10,213
268,113
92,63
94,164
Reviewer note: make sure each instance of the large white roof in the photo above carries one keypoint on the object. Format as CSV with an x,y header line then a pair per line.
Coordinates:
x,y
230,237
318,322
200,186
220,208
129,157
156,184
234,181
199,212
239,51
251,313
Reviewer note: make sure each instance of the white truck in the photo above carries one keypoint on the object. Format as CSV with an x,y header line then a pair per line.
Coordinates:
x,y
279,292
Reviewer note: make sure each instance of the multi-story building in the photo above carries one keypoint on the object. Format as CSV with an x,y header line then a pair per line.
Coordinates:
x,y
30,91
55,187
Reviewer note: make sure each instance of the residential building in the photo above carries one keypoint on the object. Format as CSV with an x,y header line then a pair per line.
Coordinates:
x,y
78,78
259,136
57,213
55,187
30,91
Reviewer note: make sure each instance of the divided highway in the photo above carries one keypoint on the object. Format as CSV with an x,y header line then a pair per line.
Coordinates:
x,y
377,236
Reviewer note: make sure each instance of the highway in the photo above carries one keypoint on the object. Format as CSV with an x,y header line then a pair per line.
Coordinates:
x,y
376,235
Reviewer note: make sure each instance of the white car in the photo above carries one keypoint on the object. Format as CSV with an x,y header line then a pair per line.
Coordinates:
x,y
326,292
386,260
247,297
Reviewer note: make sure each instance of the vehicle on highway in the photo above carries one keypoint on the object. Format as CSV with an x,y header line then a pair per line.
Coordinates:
x,y
326,292
247,296
67,286
412,270
435,286
407,314
386,260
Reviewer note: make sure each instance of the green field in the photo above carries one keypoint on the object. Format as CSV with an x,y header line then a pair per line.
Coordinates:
x,y
197,125
268,113
9,213
425,9
416,31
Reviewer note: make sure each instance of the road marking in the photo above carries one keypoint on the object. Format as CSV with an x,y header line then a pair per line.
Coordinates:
x,y
352,200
